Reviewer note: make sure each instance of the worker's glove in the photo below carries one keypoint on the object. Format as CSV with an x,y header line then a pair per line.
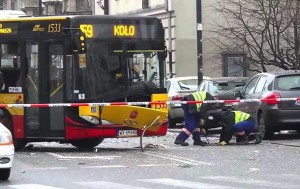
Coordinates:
x,y
223,143
202,122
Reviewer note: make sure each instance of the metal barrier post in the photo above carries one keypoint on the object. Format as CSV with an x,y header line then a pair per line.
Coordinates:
x,y
154,123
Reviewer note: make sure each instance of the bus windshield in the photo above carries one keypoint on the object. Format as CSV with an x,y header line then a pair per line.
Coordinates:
x,y
105,70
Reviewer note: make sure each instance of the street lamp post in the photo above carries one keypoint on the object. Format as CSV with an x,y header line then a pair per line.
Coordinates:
x,y
168,8
199,40
296,36
40,8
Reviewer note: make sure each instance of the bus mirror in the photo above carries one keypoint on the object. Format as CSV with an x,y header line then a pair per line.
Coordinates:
x,y
2,83
79,42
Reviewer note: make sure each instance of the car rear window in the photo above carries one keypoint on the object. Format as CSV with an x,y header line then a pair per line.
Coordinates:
x,y
218,87
287,82
188,84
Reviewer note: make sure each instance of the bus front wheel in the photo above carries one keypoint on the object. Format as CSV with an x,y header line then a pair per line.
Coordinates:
x,y
87,143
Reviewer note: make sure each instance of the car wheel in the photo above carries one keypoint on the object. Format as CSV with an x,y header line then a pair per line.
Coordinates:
x,y
172,122
4,174
264,129
87,143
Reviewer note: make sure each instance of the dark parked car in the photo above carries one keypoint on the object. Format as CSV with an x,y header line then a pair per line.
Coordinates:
x,y
272,116
222,88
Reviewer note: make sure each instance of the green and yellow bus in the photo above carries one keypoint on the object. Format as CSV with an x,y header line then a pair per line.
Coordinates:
x,y
77,59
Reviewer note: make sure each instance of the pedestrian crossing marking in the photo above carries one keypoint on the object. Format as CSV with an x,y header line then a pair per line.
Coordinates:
x,y
264,183
205,182
179,159
103,166
61,157
32,186
50,168
185,184
110,185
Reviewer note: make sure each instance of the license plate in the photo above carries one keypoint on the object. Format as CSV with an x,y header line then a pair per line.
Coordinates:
x,y
297,102
126,133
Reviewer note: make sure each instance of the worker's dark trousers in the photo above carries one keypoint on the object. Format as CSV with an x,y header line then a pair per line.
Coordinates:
x,y
191,123
246,126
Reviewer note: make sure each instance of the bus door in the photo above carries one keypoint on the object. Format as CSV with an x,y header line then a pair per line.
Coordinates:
x,y
44,84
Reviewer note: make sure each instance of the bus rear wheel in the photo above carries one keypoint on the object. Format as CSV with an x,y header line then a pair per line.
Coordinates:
x,y
87,143
19,144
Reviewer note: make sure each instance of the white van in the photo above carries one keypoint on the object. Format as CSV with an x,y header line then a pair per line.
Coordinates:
x,y
11,13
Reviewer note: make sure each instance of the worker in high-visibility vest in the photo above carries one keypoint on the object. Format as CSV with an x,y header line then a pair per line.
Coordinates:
x,y
193,112
239,124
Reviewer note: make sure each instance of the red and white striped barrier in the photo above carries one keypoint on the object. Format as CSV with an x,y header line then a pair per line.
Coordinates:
x,y
268,100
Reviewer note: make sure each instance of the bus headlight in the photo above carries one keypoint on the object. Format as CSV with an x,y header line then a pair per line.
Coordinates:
x,y
91,119
5,138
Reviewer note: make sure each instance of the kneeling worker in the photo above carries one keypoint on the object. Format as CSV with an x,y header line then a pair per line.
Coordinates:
x,y
239,124
192,114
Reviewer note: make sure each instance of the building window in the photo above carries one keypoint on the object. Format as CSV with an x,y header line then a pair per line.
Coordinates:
x,y
58,8
82,5
145,4
13,5
234,65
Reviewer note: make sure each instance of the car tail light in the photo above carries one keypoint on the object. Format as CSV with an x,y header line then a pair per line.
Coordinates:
x,y
177,97
271,98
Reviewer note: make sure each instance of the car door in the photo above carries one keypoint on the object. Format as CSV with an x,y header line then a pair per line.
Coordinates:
x,y
257,95
247,94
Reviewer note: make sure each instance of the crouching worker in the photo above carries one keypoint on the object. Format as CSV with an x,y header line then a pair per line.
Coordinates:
x,y
239,124
192,114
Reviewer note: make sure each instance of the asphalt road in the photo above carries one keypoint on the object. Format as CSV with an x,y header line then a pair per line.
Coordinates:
x,y
120,164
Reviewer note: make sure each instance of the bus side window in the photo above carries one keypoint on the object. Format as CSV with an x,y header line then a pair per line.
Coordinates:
x,y
9,55
10,64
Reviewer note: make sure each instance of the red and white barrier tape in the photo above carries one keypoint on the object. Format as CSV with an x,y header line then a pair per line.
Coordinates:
x,y
269,100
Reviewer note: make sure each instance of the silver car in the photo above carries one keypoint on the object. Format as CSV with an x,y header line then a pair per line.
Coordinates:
x,y
177,88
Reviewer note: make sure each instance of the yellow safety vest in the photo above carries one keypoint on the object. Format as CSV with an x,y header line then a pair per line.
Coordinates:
x,y
240,116
199,96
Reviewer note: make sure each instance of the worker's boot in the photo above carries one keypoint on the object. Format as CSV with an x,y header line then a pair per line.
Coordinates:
x,y
242,140
197,139
178,141
199,142
255,136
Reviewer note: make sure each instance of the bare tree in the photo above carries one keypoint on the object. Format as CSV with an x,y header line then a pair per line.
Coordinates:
x,y
262,29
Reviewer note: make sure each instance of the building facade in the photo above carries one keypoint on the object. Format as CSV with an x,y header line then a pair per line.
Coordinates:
x,y
10,5
178,18
50,7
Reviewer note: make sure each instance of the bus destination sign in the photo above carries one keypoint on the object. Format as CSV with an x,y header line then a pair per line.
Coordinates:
x,y
8,28
44,27
105,30
118,30
124,30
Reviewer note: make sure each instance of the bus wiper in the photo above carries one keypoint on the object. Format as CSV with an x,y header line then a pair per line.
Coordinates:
x,y
140,79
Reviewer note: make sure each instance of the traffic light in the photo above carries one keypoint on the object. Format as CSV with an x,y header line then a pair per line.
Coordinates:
x,y
79,42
